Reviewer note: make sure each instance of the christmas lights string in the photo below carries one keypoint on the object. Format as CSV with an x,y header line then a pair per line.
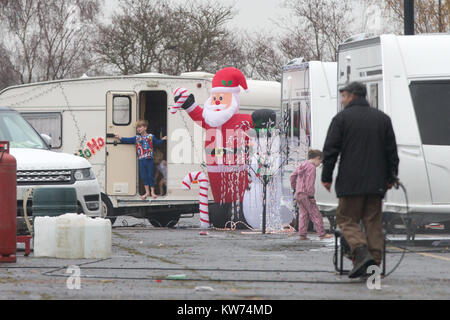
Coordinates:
x,y
263,160
22,94
51,87
81,138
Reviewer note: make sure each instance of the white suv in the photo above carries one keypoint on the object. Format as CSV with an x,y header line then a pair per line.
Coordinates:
x,y
37,166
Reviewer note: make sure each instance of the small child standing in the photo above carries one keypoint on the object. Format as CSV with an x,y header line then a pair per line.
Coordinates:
x,y
144,147
302,182
162,168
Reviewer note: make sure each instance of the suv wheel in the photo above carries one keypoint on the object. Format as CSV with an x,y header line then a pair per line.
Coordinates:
x,y
107,209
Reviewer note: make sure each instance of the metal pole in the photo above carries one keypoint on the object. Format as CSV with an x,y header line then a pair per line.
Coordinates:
x,y
409,17
264,204
441,27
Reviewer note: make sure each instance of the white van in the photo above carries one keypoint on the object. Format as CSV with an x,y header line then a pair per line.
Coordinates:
x,y
308,103
37,166
408,77
83,115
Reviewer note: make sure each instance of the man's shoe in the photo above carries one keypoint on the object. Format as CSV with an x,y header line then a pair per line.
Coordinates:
x,y
363,259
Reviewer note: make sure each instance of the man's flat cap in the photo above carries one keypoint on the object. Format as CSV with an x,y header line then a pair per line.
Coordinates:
x,y
357,88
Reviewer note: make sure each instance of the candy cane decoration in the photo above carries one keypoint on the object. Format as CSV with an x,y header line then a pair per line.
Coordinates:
x,y
184,95
200,178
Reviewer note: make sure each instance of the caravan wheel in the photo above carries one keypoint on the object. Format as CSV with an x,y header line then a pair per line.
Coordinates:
x,y
107,209
164,220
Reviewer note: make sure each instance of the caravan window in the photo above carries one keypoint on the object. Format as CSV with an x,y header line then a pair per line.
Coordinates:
x,y
122,110
432,106
49,123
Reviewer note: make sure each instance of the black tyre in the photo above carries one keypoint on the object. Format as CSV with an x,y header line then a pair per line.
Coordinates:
x,y
164,220
107,209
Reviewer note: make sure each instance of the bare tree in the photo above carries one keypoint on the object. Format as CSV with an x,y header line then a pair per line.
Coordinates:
x,y
19,19
66,27
202,39
156,35
261,57
430,15
320,26
137,38
296,45
8,76
49,38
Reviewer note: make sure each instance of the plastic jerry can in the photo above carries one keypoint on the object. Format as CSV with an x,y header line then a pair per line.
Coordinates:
x,y
45,237
97,238
70,236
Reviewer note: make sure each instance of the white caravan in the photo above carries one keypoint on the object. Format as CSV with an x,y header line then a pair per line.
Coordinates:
x,y
83,115
408,77
309,102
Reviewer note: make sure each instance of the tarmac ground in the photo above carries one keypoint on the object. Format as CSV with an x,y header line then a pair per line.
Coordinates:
x,y
181,264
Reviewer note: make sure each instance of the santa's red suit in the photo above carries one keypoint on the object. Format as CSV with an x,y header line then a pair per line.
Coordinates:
x,y
226,150
227,144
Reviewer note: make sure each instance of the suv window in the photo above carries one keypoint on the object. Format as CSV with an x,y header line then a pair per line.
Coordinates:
x,y
15,129
431,101
49,123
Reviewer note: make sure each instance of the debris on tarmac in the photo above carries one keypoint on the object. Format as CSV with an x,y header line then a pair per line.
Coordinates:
x,y
177,277
204,289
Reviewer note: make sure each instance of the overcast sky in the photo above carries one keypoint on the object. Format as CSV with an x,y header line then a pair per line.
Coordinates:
x,y
252,15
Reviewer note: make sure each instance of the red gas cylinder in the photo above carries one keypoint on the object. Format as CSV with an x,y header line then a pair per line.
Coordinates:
x,y
8,204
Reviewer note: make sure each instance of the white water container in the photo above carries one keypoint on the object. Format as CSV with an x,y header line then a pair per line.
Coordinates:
x,y
70,236
97,238
44,237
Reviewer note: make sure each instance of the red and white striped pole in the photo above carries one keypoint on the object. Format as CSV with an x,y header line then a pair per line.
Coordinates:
x,y
200,178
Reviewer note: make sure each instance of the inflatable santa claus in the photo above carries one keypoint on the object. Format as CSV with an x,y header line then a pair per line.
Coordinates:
x,y
227,142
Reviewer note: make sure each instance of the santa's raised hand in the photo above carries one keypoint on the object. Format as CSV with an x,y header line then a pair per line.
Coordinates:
x,y
183,99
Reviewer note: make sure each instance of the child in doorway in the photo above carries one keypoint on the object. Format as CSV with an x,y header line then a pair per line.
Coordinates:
x,y
302,182
144,146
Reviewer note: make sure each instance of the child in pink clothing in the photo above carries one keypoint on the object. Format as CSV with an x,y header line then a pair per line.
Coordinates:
x,y
302,182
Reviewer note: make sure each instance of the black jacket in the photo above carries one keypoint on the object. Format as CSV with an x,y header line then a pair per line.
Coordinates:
x,y
365,140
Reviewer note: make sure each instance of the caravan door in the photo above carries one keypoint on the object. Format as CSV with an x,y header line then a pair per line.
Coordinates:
x,y
432,106
121,163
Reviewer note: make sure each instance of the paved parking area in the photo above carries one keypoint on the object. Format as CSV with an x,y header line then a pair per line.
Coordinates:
x,y
223,265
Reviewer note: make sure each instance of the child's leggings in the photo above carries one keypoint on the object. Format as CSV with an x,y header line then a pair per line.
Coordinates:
x,y
146,170
309,210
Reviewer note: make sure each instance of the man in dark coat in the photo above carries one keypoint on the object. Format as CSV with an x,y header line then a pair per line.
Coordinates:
x,y
364,139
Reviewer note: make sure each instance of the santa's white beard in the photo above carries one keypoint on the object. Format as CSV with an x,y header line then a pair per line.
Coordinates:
x,y
217,118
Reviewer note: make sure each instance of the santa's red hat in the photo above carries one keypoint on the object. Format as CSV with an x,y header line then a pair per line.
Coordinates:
x,y
229,80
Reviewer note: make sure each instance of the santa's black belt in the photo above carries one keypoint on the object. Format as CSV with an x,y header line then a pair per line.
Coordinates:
x,y
224,151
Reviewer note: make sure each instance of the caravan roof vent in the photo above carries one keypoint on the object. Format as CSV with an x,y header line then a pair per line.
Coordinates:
x,y
197,74
359,37
149,74
296,61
